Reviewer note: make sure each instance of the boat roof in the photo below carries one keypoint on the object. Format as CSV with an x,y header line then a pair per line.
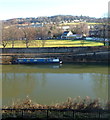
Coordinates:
x,y
37,58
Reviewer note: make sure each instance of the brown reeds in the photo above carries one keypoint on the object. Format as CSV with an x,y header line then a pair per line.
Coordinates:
x,y
75,103
26,108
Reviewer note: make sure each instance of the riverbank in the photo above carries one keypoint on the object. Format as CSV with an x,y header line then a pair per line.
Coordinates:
x,y
71,103
66,54
84,108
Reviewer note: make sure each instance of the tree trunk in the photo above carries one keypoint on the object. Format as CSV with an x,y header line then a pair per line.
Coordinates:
x,y
27,44
12,43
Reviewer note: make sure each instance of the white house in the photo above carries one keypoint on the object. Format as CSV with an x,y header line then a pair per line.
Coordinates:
x,y
66,34
70,35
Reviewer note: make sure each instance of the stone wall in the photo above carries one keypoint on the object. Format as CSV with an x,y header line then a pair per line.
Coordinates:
x,y
53,50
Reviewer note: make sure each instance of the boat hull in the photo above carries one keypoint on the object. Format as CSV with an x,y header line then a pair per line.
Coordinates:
x,y
36,61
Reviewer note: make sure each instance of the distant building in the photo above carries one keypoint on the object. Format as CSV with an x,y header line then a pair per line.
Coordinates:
x,y
70,35
31,25
66,34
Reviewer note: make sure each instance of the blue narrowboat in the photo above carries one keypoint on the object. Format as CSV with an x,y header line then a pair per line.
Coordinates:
x,y
36,60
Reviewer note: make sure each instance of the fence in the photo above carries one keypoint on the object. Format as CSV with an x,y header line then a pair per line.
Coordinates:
x,y
63,114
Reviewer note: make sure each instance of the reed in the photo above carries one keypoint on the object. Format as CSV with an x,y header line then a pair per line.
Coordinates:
x,y
72,108
71,103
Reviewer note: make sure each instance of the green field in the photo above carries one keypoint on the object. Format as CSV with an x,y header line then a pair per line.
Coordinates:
x,y
53,43
79,23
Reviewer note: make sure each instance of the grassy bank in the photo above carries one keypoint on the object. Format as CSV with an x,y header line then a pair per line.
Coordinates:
x,y
53,43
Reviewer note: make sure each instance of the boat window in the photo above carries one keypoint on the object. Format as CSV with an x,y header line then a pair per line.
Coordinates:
x,y
20,60
35,60
28,60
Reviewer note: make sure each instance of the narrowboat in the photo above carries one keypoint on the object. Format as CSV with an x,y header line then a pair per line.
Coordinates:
x,y
36,60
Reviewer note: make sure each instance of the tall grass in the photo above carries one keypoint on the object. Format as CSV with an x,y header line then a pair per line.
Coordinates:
x,y
26,108
71,103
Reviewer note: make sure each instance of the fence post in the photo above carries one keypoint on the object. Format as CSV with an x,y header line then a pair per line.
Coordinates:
x,y
99,114
22,113
47,113
73,115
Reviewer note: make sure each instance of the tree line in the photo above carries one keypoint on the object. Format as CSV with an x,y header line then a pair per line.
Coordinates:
x,y
54,19
11,33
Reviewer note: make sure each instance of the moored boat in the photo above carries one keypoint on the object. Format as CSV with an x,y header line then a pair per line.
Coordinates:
x,y
36,60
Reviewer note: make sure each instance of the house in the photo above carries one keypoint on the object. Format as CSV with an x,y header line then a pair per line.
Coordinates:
x,y
66,34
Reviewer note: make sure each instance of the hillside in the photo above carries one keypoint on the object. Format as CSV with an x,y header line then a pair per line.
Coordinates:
x,y
55,19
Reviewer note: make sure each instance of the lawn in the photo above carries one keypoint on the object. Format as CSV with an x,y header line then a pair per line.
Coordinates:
x,y
54,43
79,23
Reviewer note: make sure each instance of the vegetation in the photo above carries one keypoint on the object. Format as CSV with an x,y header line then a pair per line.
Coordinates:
x,y
71,103
37,32
77,23
56,19
52,43
58,110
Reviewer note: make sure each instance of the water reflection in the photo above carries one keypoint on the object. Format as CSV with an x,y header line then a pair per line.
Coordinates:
x,y
48,84
100,85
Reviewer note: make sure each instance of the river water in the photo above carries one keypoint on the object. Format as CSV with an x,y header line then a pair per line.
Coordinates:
x,y
49,84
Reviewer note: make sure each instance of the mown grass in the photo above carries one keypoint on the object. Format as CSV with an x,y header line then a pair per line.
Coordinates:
x,y
53,43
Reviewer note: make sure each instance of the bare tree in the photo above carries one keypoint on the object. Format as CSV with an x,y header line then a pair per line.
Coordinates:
x,y
82,42
29,34
4,43
0,32
42,35
12,34
4,36
83,29
9,34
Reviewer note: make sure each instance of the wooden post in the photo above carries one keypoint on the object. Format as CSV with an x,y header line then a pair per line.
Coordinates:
x,y
73,114
22,113
47,114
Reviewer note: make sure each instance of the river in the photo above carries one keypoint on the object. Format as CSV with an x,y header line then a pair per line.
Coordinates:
x,y
49,84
